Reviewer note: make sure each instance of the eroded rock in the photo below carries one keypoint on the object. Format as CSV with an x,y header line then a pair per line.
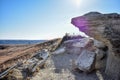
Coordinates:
x,y
105,28
86,61
102,27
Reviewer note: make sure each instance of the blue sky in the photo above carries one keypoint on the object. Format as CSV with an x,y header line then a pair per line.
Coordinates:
x,y
46,19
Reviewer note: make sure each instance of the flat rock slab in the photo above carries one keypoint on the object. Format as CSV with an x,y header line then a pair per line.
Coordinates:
x,y
82,42
85,61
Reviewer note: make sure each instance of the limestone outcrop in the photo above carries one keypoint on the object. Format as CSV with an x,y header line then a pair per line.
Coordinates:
x,y
105,28
90,53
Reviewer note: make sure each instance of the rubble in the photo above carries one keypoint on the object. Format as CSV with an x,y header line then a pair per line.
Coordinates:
x,y
37,60
29,67
15,74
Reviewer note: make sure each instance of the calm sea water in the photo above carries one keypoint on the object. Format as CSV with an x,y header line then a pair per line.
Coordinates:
x,y
21,41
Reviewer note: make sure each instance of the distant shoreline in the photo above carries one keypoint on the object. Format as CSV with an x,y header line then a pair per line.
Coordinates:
x,y
8,42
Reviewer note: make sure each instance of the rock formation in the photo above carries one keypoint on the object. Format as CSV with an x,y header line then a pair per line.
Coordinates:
x,y
105,28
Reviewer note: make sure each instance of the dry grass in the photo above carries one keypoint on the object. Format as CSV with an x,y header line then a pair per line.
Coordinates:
x,y
18,53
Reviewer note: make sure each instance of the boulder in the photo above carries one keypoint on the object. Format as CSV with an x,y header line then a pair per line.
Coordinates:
x,y
86,61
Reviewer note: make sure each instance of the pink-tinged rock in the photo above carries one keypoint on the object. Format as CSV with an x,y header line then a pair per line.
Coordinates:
x,y
102,27
81,23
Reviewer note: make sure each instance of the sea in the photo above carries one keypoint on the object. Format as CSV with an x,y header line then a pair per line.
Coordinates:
x,y
21,41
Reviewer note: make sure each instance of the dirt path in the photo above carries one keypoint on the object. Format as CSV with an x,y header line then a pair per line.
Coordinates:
x,y
59,67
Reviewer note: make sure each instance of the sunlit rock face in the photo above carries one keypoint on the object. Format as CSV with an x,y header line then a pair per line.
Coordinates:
x,y
81,23
103,27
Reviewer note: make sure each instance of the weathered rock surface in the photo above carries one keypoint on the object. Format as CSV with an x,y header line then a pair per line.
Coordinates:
x,y
86,61
82,42
76,45
84,47
59,50
105,28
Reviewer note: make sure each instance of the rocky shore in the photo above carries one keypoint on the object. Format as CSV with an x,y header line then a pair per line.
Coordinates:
x,y
72,57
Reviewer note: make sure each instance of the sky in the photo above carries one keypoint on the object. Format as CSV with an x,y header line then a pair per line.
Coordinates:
x,y
46,19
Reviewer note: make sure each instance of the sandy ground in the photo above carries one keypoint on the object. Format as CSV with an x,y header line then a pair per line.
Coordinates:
x,y
12,51
59,67
12,54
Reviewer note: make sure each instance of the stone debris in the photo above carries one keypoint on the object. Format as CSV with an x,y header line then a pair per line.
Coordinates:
x,y
29,67
37,60
15,74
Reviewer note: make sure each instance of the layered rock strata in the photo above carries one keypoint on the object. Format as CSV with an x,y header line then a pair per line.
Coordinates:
x,y
106,28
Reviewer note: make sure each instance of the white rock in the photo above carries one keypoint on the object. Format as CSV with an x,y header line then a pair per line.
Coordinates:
x,y
82,43
44,54
85,61
60,50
